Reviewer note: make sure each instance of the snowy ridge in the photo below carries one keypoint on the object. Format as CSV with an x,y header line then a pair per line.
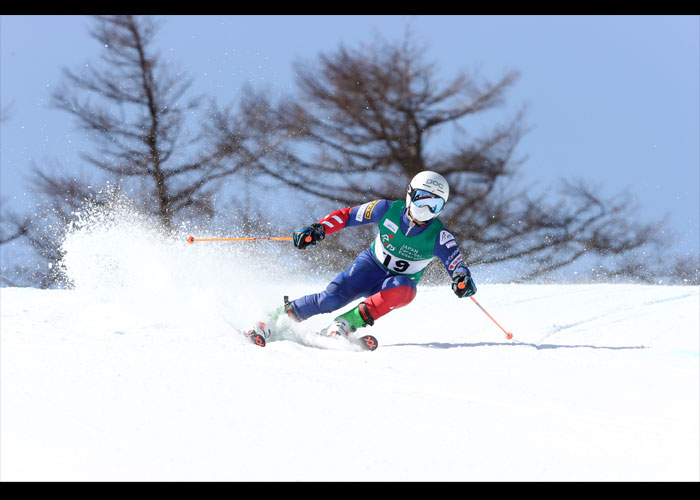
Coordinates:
x,y
135,374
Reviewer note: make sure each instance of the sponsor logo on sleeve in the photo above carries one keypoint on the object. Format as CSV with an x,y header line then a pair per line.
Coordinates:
x,y
454,254
445,236
370,208
454,263
360,212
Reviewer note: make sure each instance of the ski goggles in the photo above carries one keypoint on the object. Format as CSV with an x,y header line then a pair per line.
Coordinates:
x,y
421,198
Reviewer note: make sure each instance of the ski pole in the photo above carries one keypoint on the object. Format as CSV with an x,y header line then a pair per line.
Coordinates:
x,y
192,239
508,334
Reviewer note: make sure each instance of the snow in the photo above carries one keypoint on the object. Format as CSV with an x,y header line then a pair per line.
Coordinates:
x,y
136,374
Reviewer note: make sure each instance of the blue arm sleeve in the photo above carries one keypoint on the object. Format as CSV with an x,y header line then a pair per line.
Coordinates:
x,y
368,212
447,250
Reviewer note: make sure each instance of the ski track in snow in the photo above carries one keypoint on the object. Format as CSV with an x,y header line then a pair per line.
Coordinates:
x,y
135,374
558,328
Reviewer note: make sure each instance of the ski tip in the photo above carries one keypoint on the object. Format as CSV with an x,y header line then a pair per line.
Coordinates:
x,y
368,342
253,337
257,339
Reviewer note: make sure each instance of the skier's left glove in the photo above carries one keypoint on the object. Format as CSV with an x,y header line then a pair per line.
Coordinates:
x,y
309,235
463,285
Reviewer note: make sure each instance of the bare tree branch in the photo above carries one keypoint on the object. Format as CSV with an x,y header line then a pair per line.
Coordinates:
x,y
359,129
134,106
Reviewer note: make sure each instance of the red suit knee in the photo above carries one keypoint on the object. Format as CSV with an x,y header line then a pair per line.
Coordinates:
x,y
385,301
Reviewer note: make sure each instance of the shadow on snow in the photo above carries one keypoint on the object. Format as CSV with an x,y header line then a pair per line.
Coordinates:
x,y
445,345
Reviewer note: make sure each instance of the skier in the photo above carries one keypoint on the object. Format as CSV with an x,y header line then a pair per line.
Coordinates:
x,y
386,273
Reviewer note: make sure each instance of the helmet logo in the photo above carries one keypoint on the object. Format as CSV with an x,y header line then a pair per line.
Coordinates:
x,y
434,182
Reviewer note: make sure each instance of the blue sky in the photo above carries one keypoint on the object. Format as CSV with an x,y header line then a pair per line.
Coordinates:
x,y
614,100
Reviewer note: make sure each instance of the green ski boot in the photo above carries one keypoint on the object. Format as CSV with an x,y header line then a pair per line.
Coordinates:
x,y
350,321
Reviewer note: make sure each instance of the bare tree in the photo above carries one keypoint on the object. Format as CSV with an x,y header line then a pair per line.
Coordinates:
x,y
685,270
360,128
133,105
5,113
38,233
13,226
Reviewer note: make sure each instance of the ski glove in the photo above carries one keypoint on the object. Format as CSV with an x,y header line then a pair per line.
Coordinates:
x,y
308,236
463,285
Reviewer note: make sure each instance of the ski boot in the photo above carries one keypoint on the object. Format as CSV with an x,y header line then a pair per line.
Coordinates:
x,y
288,310
349,322
261,328
264,328
285,310
259,333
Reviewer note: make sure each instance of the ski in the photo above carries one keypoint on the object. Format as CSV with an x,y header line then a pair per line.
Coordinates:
x,y
252,335
255,338
367,342
258,334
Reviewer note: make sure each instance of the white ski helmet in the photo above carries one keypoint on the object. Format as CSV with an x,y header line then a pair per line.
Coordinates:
x,y
426,196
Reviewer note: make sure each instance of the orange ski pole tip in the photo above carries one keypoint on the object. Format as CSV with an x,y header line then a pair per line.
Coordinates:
x,y
508,334
190,239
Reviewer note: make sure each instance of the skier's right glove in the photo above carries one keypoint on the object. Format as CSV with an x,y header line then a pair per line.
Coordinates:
x,y
309,235
463,285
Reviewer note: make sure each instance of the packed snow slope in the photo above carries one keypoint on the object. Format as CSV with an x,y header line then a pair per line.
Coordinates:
x,y
136,373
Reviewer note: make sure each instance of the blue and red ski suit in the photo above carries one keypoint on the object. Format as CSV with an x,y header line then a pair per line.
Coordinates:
x,y
366,277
